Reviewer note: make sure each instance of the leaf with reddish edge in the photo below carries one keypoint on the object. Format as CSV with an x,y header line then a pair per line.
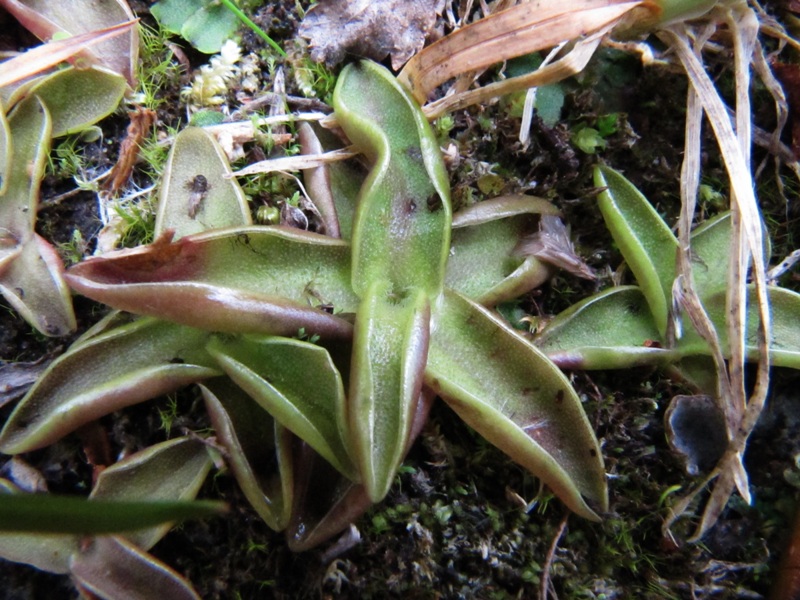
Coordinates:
x,y
198,192
30,128
511,394
34,285
31,272
297,383
129,364
610,330
115,569
390,347
325,503
75,98
259,449
14,71
243,280
45,19
140,476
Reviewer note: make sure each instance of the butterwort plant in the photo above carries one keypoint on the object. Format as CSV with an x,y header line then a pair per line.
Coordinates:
x,y
339,343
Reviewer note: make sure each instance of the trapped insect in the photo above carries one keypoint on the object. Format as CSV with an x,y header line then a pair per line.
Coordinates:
x,y
199,187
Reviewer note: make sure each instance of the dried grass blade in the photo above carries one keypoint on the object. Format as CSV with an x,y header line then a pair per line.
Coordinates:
x,y
512,32
684,291
747,244
565,67
48,55
295,163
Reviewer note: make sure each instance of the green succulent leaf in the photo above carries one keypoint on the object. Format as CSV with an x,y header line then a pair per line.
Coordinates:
x,y
511,394
46,552
297,383
75,98
112,370
33,283
401,231
259,450
785,342
512,205
646,243
30,129
390,348
198,192
31,272
113,568
252,279
610,330
139,479
711,244
482,263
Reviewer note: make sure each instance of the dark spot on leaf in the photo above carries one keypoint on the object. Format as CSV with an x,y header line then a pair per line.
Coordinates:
x,y
633,308
20,292
176,361
559,396
414,153
592,452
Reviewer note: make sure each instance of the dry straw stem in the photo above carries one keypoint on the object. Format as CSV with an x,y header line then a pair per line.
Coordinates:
x,y
295,163
516,31
49,55
747,250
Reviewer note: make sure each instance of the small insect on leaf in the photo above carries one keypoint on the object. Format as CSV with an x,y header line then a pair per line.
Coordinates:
x,y
198,186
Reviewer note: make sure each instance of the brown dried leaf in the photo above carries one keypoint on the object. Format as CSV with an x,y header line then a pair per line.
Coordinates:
x,y
369,28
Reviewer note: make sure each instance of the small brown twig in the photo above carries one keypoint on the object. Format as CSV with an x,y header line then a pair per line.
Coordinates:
x,y
550,558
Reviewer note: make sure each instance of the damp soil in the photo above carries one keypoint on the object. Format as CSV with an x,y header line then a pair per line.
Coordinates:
x,y
462,520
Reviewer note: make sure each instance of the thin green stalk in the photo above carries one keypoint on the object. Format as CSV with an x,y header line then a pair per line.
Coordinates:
x,y
247,21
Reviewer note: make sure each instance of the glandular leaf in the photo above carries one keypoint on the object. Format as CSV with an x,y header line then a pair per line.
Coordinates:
x,y
113,568
610,330
33,283
482,263
46,19
646,243
76,98
30,128
390,346
129,364
511,394
170,473
198,192
250,279
297,383
259,449
401,231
